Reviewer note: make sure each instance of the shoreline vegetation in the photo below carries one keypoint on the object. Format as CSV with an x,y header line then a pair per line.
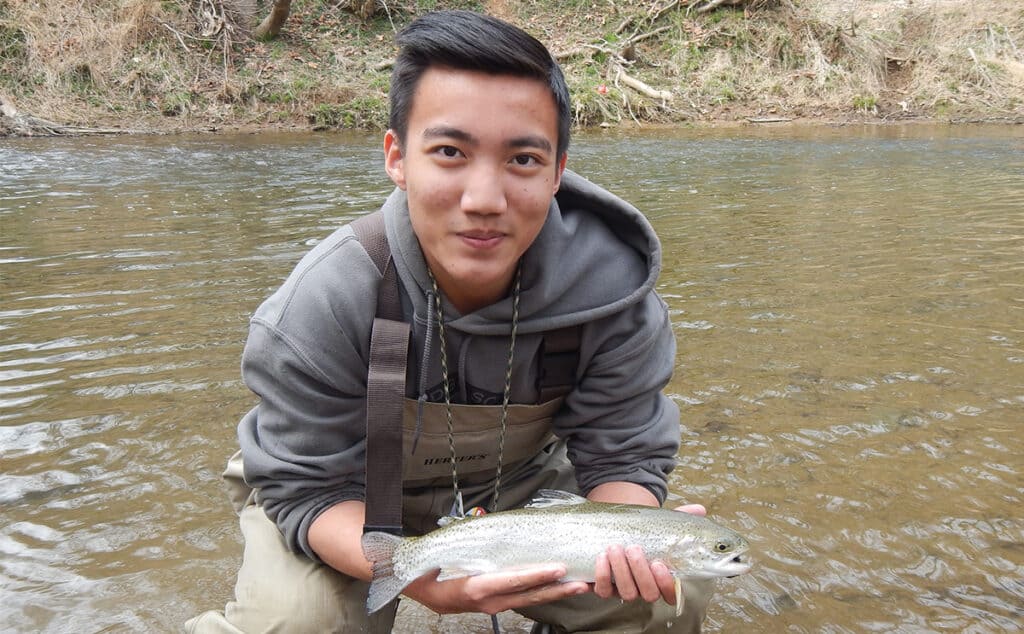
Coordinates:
x,y
170,66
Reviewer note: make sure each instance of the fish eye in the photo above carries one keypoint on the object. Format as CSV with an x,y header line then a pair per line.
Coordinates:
x,y
721,547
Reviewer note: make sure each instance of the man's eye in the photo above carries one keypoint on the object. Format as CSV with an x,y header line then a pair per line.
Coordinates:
x,y
524,160
449,151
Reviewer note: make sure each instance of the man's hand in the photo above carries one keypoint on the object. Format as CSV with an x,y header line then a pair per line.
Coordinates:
x,y
626,572
494,592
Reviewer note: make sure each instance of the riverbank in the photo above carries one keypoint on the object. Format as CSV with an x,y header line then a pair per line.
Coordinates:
x,y
174,66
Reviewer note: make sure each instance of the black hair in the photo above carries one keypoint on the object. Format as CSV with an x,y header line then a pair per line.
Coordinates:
x,y
464,40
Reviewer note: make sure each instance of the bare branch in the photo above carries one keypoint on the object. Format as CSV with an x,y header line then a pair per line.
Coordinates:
x,y
649,34
664,10
642,88
711,5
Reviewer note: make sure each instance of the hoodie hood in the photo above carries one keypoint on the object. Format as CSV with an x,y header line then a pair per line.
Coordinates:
x,y
585,224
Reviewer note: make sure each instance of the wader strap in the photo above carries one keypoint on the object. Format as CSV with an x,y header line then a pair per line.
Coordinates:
x,y
385,386
385,391
369,230
558,360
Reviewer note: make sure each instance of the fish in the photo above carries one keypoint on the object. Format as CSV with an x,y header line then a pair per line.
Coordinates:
x,y
555,527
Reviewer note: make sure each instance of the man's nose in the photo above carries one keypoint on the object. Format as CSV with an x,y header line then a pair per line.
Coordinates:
x,y
484,191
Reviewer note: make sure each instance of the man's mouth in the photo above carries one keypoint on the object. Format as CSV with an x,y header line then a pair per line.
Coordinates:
x,y
481,238
481,234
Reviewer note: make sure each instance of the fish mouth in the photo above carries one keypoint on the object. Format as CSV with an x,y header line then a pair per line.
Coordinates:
x,y
732,565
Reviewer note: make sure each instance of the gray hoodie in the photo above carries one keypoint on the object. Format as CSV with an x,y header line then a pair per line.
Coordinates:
x,y
594,264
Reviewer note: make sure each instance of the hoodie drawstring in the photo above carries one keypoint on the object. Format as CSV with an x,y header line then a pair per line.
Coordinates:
x,y
428,349
447,388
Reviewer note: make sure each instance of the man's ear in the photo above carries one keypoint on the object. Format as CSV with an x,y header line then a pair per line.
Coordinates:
x,y
394,163
558,172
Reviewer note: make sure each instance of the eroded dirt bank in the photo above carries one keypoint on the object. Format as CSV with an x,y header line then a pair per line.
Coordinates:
x,y
179,65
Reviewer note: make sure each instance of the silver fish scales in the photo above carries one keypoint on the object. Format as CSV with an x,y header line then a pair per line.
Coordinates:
x,y
556,527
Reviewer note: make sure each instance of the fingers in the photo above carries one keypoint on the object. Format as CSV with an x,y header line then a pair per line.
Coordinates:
x,y
646,585
693,509
540,596
496,592
665,581
621,573
519,580
603,585
626,573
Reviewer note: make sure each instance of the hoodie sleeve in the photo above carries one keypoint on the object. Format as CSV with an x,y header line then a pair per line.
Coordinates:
x,y
303,445
618,424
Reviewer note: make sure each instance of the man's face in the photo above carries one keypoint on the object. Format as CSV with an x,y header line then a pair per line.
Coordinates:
x,y
479,165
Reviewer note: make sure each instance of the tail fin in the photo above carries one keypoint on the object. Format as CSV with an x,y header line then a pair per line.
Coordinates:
x,y
379,548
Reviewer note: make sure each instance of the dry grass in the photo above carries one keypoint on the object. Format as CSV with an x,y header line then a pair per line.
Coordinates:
x,y
831,59
936,57
76,56
177,64
888,59
161,64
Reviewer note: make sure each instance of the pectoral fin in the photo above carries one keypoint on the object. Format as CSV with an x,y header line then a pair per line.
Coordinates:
x,y
454,573
467,568
679,596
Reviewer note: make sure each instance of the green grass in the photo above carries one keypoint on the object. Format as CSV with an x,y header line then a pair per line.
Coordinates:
x,y
865,103
362,112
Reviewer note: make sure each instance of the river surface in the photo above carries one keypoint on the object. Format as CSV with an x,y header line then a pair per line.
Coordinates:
x,y
849,307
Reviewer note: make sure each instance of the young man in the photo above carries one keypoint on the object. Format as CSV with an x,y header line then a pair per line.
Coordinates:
x,y
507,266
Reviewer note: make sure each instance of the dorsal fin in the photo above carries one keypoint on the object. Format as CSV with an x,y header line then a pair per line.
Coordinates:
x,y
445,520
547,498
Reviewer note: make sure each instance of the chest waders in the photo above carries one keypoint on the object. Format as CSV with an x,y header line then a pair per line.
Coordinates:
x,y
391,416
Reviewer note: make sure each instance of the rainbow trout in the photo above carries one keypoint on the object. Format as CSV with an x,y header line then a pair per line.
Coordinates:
x,y
556,527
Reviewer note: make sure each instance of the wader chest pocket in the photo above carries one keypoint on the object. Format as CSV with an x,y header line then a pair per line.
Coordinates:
x,y
476,431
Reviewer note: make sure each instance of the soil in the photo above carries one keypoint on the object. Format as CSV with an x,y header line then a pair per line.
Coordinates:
x,y
109,66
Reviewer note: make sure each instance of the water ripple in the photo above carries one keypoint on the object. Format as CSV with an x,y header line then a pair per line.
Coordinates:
x,y
850,372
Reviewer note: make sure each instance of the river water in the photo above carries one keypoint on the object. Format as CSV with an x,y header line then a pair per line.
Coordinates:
x,y
849,307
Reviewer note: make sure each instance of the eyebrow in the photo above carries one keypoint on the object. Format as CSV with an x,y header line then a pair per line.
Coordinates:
x,y
531,140
451,132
